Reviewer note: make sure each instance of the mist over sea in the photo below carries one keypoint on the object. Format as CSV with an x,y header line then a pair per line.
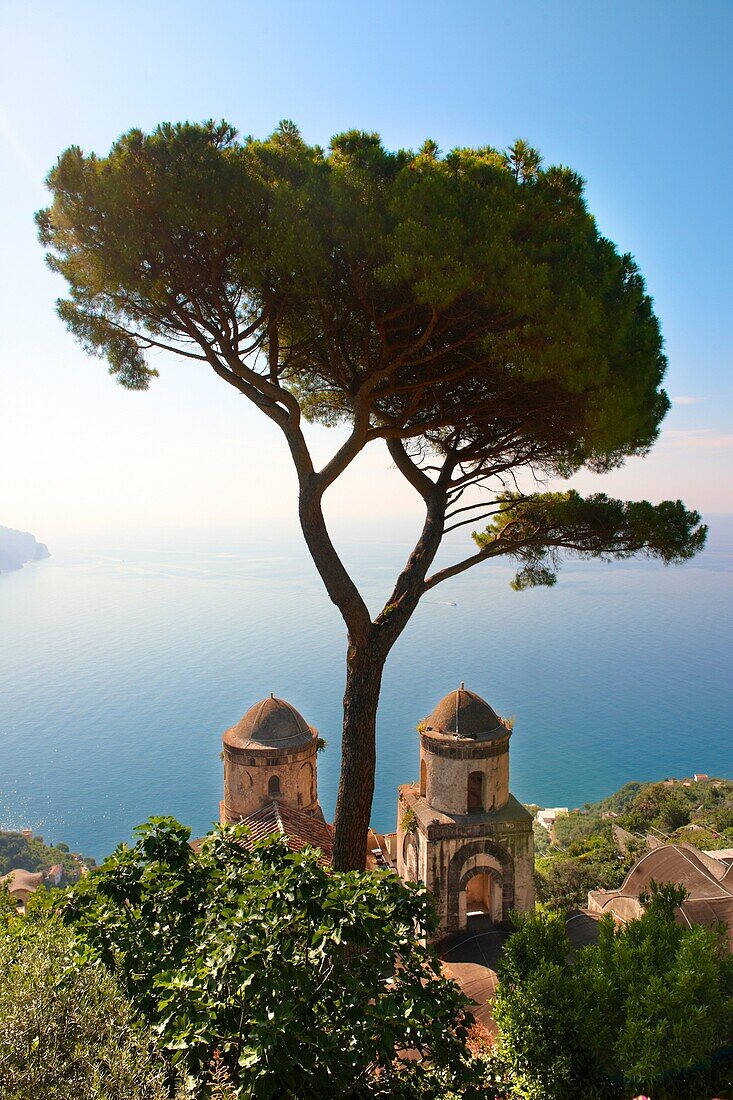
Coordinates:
x,y
122,663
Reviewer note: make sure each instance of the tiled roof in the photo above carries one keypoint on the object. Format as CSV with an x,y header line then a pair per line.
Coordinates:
x,y
22,880
699,874
299,829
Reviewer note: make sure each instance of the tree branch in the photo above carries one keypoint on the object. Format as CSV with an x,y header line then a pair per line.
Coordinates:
x,y
356,442
420,481
459,567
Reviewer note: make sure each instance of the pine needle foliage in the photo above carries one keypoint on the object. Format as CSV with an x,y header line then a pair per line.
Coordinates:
x,y
461,308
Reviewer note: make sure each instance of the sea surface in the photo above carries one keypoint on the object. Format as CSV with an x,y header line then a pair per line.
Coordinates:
x,y
122,662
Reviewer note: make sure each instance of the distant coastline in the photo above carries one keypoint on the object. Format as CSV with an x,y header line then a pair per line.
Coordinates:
x,y
17,548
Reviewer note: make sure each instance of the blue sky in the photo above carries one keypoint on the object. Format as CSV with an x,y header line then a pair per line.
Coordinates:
x,y
635,96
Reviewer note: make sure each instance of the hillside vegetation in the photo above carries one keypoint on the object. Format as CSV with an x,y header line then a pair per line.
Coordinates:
x,y
67,1031
594,848
234,969
33,854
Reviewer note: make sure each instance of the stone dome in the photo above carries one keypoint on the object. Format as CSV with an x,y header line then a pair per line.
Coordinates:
x,y
272,724
462,713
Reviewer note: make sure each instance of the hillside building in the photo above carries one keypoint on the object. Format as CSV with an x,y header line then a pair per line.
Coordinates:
x,y
22,885
706,876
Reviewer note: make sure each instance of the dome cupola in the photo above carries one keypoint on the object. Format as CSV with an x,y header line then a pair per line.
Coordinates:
x,y
269,754
463,713
272,724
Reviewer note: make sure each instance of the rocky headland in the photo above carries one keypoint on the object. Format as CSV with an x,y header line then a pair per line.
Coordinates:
x,y
19,547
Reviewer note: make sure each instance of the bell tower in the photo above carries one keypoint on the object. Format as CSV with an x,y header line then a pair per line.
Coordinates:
x,y
270,755
460,830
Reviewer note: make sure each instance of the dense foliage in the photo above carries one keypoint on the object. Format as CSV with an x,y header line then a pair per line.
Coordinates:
x,y
563,878
462,309
664,808
589,853
307,982
232,970
33,854
67,1032
647,1009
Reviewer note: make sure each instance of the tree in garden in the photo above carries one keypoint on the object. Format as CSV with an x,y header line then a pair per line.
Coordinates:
x,y
307,982
463,310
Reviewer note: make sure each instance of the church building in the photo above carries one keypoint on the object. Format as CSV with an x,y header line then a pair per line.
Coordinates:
x,y
270,776
459,830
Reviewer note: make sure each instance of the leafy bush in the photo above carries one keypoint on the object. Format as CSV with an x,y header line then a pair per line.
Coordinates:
x,y
66,1030
658,807
307,982
646,1009
573,827
541,838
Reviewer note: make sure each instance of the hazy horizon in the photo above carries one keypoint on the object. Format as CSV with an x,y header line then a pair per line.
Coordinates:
x,y
630,97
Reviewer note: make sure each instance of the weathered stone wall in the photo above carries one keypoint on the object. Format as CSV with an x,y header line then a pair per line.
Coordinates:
x,y
252,778
445,851
447,766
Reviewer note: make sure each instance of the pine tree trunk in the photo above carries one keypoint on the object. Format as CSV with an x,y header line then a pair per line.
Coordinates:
x,y
364,667
369,645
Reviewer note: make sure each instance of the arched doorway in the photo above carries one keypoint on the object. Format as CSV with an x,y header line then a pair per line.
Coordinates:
x,y
478,896
478,857
481,897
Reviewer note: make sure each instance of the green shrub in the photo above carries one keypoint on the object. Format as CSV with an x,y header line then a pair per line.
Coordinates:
x,y
658,807
593,862
66,1030
541,839
648,1009
309,983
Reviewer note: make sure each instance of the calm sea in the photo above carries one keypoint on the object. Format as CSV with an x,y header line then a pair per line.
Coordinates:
x,y
121,665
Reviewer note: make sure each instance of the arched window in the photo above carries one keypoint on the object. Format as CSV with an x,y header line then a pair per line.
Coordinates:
x,y
423,778
273,787
306,792
475,792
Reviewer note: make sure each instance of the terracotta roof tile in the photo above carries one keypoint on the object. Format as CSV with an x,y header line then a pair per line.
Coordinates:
x,y
299,829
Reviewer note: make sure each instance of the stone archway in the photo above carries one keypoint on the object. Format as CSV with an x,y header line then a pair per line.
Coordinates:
x,y
480,857
480,894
